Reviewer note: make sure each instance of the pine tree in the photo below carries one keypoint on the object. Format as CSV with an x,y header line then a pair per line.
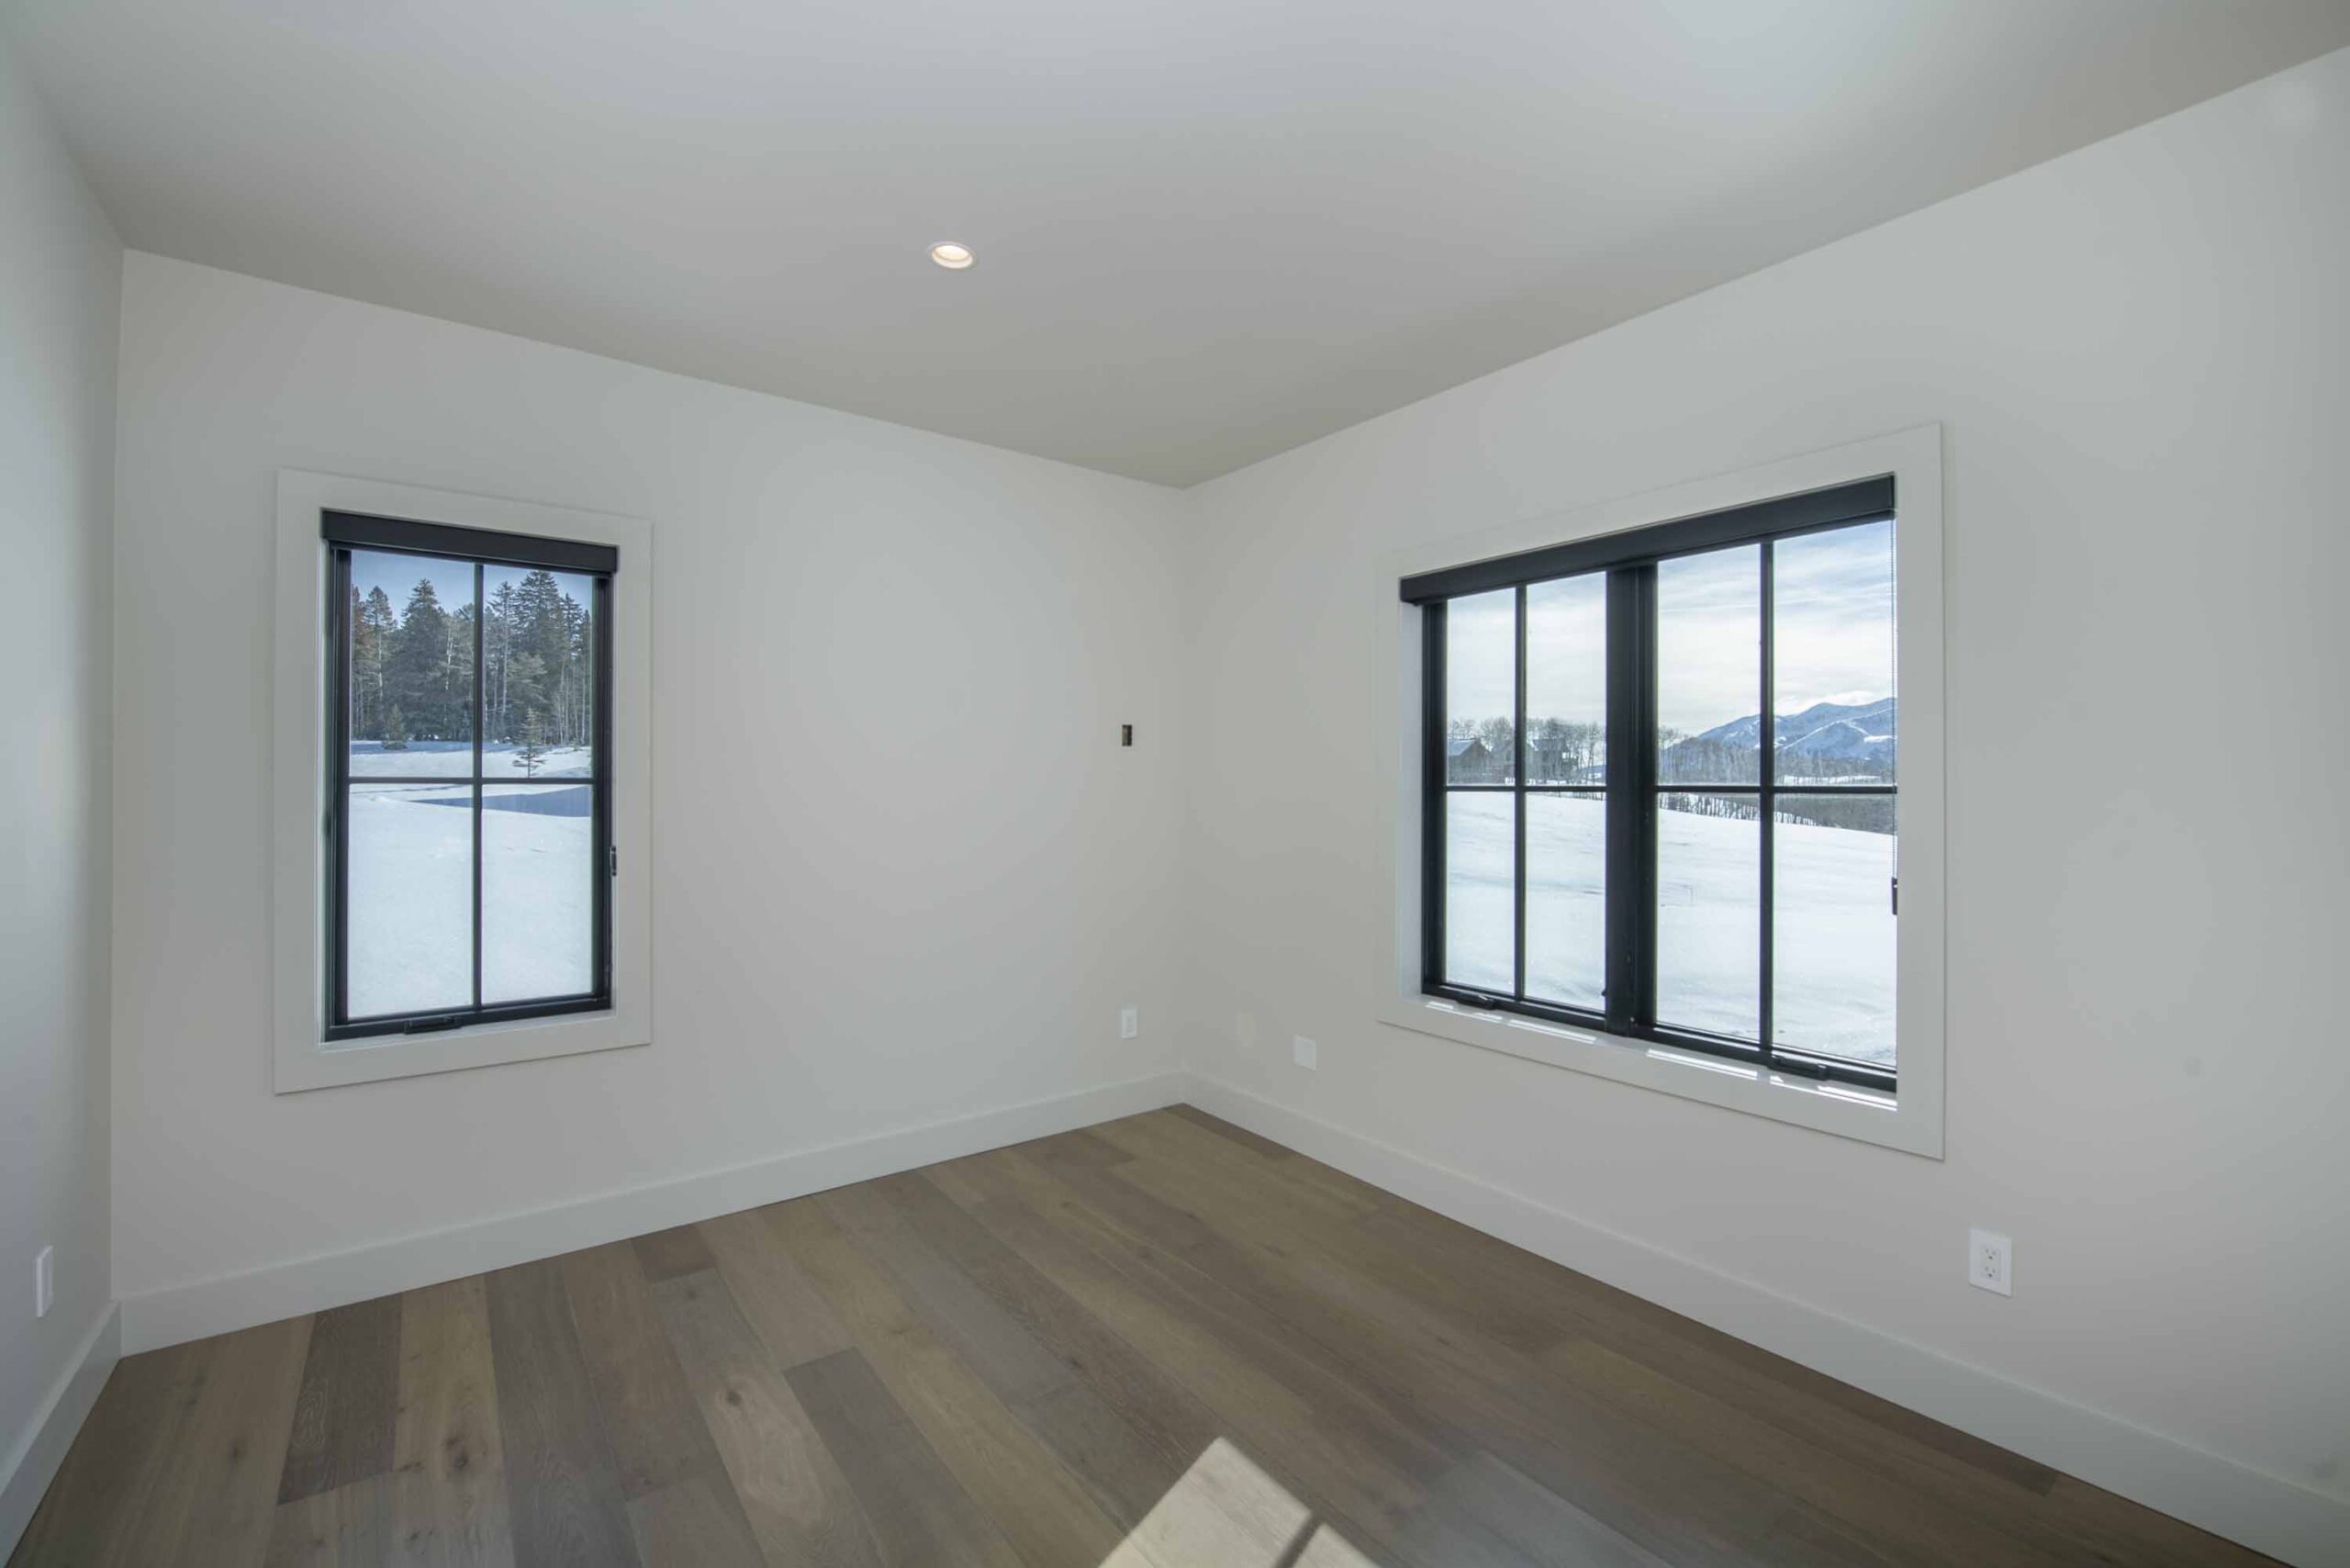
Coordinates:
x,y
456,691
498,663
362,641
394,729
415,669
371,625
534,752
381,623
526,690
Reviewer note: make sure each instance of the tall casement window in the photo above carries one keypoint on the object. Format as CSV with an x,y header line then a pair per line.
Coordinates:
x,y
1659,783
469,811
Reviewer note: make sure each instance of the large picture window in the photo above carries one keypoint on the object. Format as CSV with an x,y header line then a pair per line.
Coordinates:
x,y
1659,784
469,769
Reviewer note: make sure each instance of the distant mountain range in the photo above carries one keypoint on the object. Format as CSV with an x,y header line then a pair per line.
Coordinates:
x,y
1858,737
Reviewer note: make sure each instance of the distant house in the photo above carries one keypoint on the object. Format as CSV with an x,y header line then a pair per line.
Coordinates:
x,y
1471,761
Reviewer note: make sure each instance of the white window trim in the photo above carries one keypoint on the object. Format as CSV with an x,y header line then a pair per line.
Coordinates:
x,y
300,1058
1910,1120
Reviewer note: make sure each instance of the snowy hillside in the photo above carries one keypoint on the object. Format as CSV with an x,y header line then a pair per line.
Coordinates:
x,y
411,894
1827,739
1835,929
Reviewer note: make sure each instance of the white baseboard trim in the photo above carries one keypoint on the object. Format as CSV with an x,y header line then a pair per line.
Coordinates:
x,y
2265,1512
31,1462
174,1314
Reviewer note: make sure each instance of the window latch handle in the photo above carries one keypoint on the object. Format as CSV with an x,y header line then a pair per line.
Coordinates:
x,y
431,1025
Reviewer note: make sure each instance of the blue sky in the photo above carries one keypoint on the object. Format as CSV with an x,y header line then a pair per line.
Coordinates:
x,y
452,581
1834,644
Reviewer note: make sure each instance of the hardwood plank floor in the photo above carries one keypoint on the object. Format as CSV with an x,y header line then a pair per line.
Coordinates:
x,y
1163,1342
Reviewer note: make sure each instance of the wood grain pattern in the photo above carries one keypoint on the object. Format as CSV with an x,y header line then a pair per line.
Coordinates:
x,y
133,1434
1041,1508
215,1500
695,1524
448,1494
342,1419
657,1434
798,1507
349,1527
562,1486
787,1313
1163,1342
921,1514
666,1254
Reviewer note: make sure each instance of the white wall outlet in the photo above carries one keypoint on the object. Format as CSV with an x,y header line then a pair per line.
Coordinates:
x,y
1308,1055
1991,1261
44,1281
1244,1029
1129,1022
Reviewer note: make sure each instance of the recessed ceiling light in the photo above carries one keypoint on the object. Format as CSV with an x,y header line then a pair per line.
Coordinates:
x,y
950,255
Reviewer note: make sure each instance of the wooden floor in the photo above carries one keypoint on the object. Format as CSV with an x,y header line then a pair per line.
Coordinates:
x,y
1161,1343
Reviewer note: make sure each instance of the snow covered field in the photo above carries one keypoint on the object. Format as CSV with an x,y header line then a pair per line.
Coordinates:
x,y
1834,938
411,893
427,759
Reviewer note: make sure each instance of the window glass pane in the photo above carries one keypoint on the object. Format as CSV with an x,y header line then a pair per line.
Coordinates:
x,y
1480,885
1709,667
1832,932
411,899
412,627
1566,681
538,674
1566,899
1481,687
538,904
1708,915
1832,654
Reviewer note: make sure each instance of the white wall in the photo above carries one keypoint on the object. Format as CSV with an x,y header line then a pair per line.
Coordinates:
x,y
902,873
61,268
2141,353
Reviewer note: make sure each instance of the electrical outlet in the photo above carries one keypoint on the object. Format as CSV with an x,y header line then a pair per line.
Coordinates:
x,y
44,1281
1244,1029
1308,1055
1129,1022
1991,1261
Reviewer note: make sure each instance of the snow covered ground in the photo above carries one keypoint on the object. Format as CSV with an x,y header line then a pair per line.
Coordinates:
x,y
411,894
427,760
1834,938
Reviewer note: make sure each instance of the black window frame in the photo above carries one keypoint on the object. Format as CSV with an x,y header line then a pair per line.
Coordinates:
x,y
1631,790
344,532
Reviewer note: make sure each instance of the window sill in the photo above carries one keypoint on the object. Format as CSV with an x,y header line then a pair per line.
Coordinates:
x,y
1843,1109
326,1064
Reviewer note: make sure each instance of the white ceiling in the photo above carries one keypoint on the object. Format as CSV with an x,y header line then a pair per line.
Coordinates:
x,y
1207,229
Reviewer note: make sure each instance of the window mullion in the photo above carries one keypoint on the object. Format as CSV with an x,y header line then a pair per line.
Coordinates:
x,y
1517,776
339,740
1433,720
599,654
1767,798
1631,745
480,609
